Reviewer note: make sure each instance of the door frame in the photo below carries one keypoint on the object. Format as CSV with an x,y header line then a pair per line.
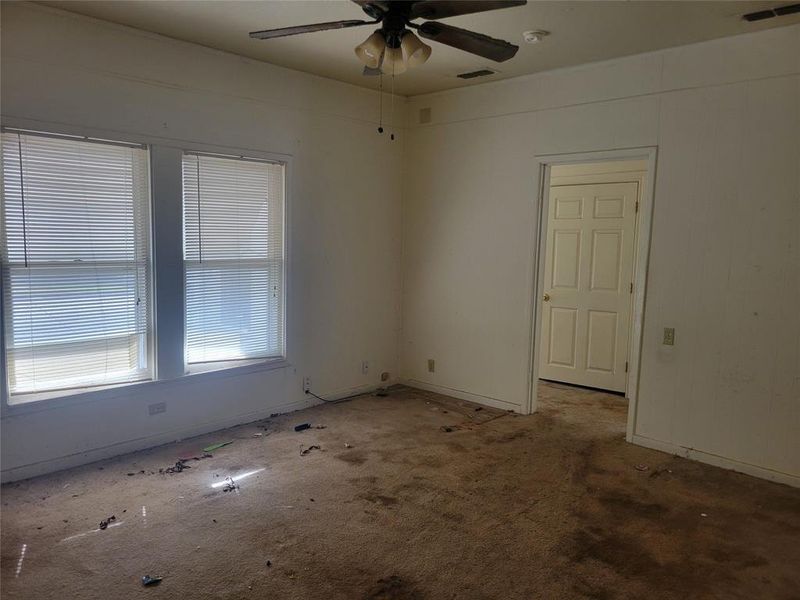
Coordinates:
x,y
544,162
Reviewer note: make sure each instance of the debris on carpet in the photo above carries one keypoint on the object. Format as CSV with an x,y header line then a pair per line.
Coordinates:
x,y
658,472
178,467
216,446
106,522
148,580
309,449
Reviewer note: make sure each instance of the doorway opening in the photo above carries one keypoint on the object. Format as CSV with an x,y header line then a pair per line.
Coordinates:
x,y
594,235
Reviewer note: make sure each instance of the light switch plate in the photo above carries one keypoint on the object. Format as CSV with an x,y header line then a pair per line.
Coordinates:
x,y
669,336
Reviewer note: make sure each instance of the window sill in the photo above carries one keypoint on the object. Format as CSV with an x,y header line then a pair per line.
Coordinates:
x,y
39,401
28,398
235,367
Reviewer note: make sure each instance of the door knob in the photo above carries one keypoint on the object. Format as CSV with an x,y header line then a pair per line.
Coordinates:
x,y
547,297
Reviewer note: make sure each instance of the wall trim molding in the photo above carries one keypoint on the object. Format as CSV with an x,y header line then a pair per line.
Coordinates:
x,y
717,461
462,395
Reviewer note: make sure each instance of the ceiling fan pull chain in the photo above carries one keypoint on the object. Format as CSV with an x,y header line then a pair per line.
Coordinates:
x,y
391,111
380,103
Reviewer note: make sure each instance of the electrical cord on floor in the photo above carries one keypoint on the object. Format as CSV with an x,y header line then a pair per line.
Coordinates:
x,y
310,393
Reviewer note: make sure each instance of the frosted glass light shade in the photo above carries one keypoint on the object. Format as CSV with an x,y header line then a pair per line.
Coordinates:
x,y
415,50
393,62
370,50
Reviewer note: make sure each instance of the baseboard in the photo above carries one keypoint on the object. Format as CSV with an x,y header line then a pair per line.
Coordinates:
x,y
717,461
167,437
462,395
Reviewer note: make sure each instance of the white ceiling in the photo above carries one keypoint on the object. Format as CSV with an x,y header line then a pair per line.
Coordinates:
x,y
581,32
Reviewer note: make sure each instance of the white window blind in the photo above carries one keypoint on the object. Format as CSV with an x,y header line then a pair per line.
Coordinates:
x,y
234,258
76,262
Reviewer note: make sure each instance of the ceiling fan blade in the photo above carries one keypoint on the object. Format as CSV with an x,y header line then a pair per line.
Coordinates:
x,y
468,41
441,9
381,4
374,8
268,34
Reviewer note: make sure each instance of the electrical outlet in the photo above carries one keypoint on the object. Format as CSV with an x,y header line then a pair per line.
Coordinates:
x,y
385,376
431,365
157,408
365,367
306,384
669,336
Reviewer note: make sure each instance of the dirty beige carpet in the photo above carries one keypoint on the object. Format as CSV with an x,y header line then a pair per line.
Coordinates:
x,y
393,505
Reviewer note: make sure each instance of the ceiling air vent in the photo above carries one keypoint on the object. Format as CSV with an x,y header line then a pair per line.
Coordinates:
x,y
787,10
772,12
474,74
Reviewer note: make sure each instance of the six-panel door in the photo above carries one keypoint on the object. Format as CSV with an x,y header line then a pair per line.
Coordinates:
x,y
588,283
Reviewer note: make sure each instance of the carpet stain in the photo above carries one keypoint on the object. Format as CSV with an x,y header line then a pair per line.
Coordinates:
x,y
354,457
392,588
379,499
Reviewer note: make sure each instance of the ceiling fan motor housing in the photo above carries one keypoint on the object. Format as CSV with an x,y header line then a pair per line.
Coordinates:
x,y
393,28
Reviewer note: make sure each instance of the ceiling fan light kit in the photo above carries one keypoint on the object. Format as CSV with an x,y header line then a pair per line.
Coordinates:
x,y
375,52
393,48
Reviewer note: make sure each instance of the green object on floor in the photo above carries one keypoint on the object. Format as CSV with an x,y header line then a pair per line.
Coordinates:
x,y
213,447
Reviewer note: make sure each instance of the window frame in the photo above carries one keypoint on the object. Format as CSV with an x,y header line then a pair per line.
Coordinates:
x,y
164,196
148,264
212,366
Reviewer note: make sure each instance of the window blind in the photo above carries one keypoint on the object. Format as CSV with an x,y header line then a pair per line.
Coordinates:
x,y
234,258
76,262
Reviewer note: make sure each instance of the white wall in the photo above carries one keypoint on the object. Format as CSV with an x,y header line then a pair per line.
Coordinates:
x,y
76,75
725,249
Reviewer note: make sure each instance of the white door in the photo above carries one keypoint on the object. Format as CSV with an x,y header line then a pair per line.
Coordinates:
x,y
588,284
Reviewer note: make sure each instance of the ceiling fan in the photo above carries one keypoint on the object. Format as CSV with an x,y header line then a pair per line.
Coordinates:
x,y
393,48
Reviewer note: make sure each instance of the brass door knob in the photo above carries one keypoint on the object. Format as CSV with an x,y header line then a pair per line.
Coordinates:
x,y
547,297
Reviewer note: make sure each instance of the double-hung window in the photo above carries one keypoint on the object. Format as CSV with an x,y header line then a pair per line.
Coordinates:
x,y
233,255
75,263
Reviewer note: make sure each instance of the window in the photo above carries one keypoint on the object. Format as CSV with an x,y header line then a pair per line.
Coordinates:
x,y
233,253
75,263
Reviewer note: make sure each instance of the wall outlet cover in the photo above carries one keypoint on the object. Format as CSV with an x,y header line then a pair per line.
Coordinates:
x,y
669,336
431,365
